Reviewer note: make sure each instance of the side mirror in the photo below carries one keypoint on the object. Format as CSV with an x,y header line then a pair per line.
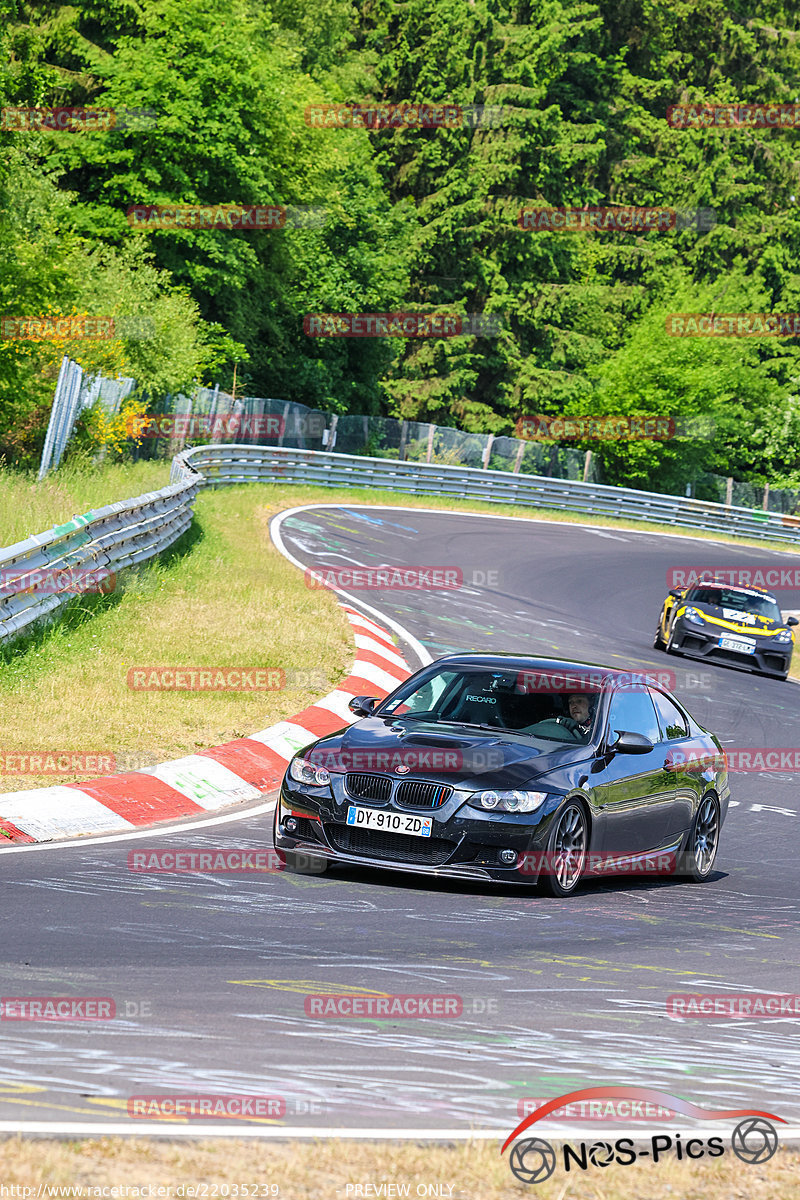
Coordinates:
x,y
632,743
363,706
792,621
676,592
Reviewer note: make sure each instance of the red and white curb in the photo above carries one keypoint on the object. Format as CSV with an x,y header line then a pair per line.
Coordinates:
x,y
202,783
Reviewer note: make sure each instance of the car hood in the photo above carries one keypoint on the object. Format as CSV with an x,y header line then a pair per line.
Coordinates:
x,y
746,621
465,758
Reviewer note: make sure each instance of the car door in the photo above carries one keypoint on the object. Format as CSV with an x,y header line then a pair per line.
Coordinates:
x,y
633,791
679,746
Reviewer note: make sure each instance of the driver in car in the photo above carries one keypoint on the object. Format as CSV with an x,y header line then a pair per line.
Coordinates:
x,y
580,716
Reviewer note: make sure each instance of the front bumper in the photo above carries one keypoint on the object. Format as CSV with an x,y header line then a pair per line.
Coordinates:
x,y
702,641
460,847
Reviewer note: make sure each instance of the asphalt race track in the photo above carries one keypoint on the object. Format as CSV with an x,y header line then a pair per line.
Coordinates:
x,y
209,973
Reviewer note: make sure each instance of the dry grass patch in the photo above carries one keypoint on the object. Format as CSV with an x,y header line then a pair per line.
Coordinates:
x,y
331,1170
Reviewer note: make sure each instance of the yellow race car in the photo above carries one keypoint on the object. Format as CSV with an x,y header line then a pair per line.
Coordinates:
x,y
737,626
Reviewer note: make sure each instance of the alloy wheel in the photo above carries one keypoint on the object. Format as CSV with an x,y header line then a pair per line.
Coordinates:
x,y
569,847
706,835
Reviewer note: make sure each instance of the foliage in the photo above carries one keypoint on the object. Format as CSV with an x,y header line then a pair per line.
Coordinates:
x,y
569,102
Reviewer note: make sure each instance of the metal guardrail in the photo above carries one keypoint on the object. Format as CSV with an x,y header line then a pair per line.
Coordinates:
x,y
230,464
133,531
75,391
105,539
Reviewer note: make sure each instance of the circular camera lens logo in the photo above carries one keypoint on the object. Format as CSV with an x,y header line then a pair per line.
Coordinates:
x,y
754,1140
532,1161
601,1154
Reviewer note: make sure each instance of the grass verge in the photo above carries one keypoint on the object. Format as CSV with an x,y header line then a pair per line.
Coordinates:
x,y
222,597
332,1170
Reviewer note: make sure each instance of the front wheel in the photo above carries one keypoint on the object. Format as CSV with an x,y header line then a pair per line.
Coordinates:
x,y
703,841
566,860
658,641
670,646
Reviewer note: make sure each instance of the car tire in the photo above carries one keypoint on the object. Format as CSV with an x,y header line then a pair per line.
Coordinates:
x,y
298,862
670,646
658,641
570,837
703,841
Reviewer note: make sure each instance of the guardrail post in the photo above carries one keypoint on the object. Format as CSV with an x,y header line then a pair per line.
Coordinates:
x,y
429,455
765,503
518,459
587,462
729,490
487,451
55,411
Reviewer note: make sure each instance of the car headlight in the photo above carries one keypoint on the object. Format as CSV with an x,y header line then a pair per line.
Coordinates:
x,y
302,770
785,635
508,801
693,616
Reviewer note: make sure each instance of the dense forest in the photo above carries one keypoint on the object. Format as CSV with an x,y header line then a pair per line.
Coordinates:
x,y
556,104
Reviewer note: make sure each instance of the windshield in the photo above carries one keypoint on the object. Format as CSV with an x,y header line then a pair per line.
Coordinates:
x,y
736,601
555,707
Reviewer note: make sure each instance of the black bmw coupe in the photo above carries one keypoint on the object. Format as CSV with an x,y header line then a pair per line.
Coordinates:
x,y
513,769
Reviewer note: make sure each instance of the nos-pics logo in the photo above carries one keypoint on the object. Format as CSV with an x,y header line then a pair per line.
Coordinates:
x,y
754,1139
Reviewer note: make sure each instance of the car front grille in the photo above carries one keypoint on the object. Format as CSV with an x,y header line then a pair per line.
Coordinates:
x,y
369,787
374,843
413,794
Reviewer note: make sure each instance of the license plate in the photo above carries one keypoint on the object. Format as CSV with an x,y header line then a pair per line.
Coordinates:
x,y
391,822
739,644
